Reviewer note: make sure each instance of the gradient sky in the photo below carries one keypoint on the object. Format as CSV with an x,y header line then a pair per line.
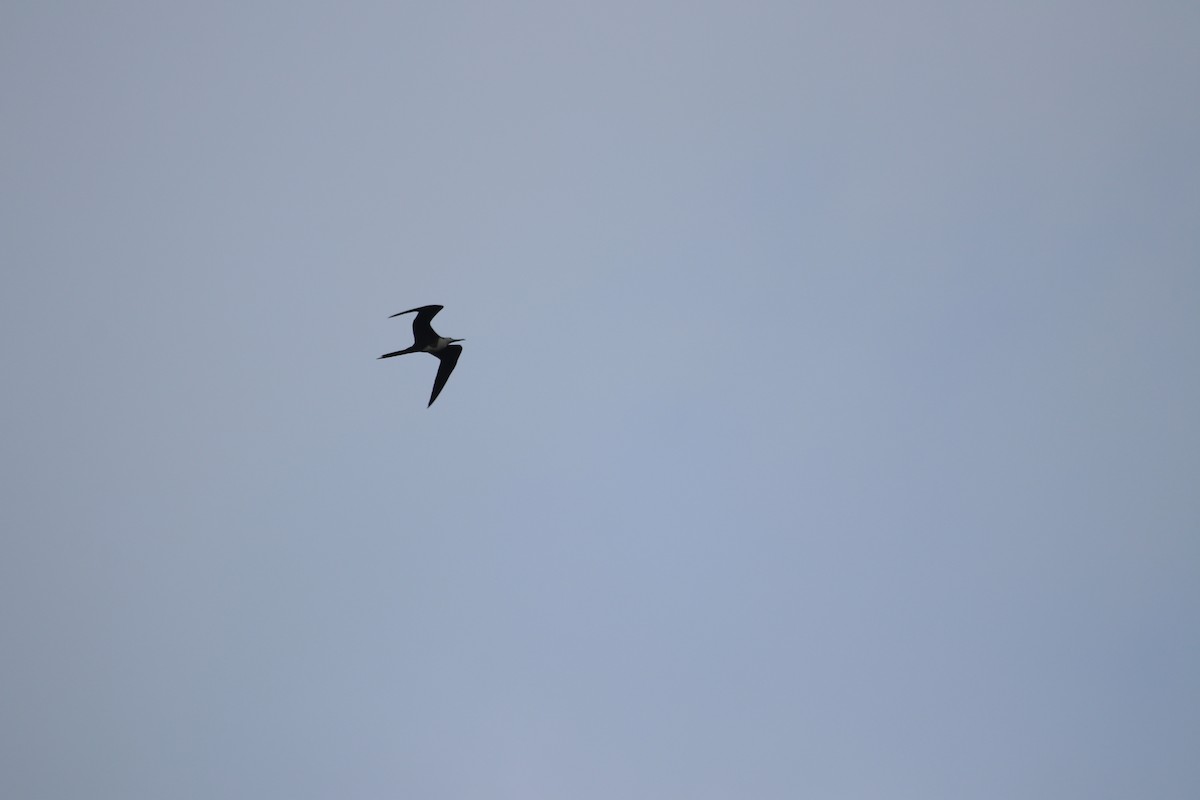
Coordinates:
x,y
826,425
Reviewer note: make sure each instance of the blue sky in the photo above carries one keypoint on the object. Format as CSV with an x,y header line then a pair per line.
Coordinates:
x,y
825,425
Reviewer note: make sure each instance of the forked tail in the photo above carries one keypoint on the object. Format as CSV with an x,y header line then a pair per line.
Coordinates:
x,y
400,352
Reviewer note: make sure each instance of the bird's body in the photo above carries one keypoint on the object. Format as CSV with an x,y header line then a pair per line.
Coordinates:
x,y
426,340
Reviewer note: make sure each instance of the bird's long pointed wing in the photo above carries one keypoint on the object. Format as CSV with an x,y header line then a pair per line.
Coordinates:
x,y
422,325
449,357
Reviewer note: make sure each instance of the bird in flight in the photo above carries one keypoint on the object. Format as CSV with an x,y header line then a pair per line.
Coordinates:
x,y
426,340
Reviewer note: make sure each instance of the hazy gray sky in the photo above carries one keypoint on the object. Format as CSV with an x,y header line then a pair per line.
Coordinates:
x,y
826,426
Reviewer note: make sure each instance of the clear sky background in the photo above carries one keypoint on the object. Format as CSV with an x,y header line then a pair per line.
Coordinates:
x,y
827,425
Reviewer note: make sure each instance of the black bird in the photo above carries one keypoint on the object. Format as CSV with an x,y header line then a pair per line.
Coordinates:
x,y
426,340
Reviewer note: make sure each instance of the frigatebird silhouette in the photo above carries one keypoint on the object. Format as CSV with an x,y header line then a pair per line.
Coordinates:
x,y
426,340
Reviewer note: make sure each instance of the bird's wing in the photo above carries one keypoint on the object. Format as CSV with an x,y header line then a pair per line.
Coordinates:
x,y
449,357
422,327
